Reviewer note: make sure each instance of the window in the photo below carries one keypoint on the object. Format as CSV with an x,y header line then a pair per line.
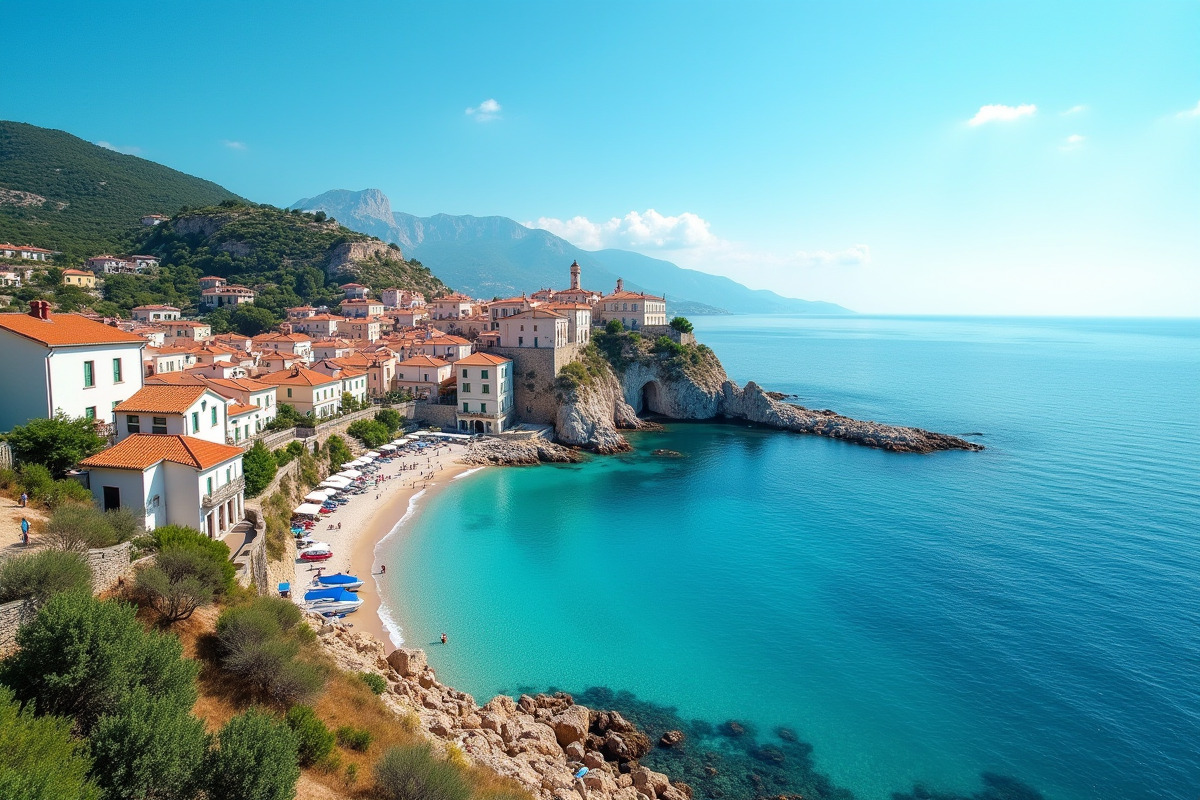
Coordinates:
x,y
89,374
90,412
158,424
214,415
133,423
210,487
117,370
483,408
483,374
466,387
464,373
229,474
520,341
465,409
487,388
195,421
289,392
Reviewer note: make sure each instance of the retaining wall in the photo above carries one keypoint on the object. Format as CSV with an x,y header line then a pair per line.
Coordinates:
x,y
534,371
440,416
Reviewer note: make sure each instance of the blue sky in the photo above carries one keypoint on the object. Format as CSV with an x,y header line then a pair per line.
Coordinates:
x,y
822,150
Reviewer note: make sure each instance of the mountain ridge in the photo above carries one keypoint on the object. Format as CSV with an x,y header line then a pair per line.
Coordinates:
x,y
498,256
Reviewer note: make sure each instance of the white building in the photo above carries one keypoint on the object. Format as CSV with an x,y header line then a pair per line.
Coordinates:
x,y
423,376
186,332
402,298
355,291
635,310
579,320
306,390
453,306
485,393
362,308
225,295
155,313
537,327
177,409
175,480
65,362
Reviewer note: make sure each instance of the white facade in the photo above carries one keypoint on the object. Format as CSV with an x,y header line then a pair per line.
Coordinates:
x,y
203,419
485,393
535,328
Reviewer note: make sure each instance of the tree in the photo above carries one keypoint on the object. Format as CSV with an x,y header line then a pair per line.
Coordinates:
x,y
82,527
255,760
258,467
614,326
250,319
81,657
349,403
370,432
41,575
338,452
391,418
413,773
682,324
181,580
39,759
58,443
148,749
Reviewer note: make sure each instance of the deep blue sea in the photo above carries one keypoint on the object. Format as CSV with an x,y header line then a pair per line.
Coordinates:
x,y
1031,611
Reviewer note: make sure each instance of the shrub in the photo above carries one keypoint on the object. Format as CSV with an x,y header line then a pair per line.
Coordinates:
x,y
148,749
338,452
181,580
58,443
255,760
370,432
169,536
259,642
41,575
376,682
314,741
682,324
664,344
354,738
413,773
81,657
258,468
351,774
391,418
68,491
36,481
80,527
614,326
39,759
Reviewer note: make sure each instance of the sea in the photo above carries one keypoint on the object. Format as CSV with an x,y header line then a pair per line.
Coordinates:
x,y
824,620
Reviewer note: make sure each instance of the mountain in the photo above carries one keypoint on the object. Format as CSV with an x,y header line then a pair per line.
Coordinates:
x,y
497,256
63,193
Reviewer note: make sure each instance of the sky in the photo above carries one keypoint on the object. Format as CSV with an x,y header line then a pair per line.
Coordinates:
x,y
930,158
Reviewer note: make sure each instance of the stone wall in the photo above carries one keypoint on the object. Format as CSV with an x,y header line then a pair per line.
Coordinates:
x,y
439,416
12,616
655,331
257,552
6,456
534,371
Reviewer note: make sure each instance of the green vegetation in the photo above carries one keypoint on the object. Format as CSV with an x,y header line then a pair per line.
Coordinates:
x,y
248,319
182,579
370,432
682,324
413,773
286,417
259,466
314,740
286,455
255,760
392,418
337,451
180,537
260,643
376,682
57,443
614,326
39,760
79,527
43,574
353,738
93,198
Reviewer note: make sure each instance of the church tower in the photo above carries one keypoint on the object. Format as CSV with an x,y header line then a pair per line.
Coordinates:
x,y
575,274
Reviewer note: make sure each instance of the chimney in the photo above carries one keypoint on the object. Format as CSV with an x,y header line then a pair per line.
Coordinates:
x,y
620,285
39,309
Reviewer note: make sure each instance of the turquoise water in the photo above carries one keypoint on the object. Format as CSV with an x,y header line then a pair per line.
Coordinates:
x,y
1032,610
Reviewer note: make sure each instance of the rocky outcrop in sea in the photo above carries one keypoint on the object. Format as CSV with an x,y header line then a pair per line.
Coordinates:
x,y
512,452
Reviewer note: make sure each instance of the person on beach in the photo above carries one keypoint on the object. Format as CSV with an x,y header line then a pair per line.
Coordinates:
x,y
444,639
339,527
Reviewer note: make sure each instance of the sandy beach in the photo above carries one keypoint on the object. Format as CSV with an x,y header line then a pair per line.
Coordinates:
x,y
367,519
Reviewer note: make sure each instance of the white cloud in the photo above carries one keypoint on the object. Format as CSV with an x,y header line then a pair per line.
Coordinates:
x,y
1190,113
233,145
486,111
1000,113
1072,142
128,150
1074,110
635,230
853,256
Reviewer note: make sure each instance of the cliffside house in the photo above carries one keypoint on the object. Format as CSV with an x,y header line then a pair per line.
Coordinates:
x,y
635,310
306,390
361,308
485,393
79,277
424,376
10,277
226,295
155,313
144,262
171,479
31,253
300,312
355,291
65,362
154,219
183,410
212,282
537,327
579,320
186,332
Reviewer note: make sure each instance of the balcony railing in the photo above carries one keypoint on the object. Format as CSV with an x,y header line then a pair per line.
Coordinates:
x,y
223,493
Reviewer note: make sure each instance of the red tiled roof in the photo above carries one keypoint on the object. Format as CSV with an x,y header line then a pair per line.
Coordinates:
x,y
161,400
423,361
481,360
296,376
66,329
142,450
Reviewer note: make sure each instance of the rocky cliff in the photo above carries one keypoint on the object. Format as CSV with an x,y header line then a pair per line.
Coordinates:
x,y
622,376
540,741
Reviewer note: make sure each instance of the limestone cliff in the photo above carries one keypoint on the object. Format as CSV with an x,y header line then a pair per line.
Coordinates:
x,y
621,376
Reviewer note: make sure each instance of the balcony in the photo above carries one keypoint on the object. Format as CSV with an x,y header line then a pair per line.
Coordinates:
x,y
223,493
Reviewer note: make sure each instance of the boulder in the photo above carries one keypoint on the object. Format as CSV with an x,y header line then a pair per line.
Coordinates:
x,y
501,705
671,738
408,661
571,725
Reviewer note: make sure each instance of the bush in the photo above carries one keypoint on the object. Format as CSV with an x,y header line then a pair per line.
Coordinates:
x,y
370,432
376,682
39,759
664,344
68,491
81,657
413,773
682,324
58,443
41,575
391,418
258,468
148,749
260,642
314,741
80,527
354,738
338,452
36,481
285,455
255,760
181,580
169,536
614,326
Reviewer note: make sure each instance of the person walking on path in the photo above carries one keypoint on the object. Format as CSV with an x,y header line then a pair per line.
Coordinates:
x,y
24,531
24,499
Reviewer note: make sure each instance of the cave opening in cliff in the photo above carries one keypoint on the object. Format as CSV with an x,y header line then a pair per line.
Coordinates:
x,y
650,400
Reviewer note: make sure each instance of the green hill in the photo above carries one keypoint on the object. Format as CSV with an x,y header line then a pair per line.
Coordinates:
x,y
60,192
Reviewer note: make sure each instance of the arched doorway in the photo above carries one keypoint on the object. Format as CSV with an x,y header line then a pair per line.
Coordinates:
x,y
650,401
479,426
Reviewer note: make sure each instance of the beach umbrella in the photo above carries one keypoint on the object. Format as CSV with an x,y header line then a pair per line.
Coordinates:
x,y
307,510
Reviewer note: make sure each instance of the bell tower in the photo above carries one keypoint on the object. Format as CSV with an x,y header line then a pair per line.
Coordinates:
x,y
575,274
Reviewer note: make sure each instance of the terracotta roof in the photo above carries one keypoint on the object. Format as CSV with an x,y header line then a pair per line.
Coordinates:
x,y
281,337
66,329
238,384
624,295
296,376
161,400
571,306
146,308
537,313
170,379
187,323
142,450
423,361
454,298
75,272
237,409
481,360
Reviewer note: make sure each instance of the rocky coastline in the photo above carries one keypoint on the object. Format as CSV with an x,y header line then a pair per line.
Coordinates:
x,y
513,452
